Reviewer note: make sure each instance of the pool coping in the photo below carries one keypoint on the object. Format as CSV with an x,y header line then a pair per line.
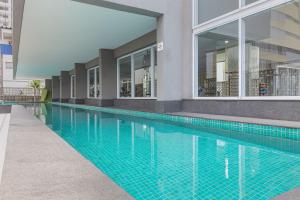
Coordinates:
x,y
218,124
289,195
248,120
41,165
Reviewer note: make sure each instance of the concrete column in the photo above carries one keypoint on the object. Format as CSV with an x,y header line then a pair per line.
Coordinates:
x,y
80,82
48,84
55,88
169,59
108,76
174,31
187,53
65,87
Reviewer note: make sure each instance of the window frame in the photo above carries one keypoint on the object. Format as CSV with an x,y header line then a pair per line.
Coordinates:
x,y
237,15
131,55
95,77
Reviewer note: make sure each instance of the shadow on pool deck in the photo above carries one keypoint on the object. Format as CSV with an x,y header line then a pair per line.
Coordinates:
x,y
40,165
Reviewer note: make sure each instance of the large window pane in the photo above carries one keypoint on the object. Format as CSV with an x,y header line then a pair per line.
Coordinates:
x,y
142,74
273,52
218,71
209,9
125,77
91,83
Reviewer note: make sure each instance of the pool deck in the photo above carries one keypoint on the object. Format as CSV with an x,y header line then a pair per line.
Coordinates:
x,y
39,165
290,195
270,122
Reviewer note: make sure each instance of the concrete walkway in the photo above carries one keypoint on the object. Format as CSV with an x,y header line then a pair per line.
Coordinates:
x,y
39,165
290,195
4,124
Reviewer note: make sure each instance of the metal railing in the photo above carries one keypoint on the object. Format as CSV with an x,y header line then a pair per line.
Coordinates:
x,y
19,94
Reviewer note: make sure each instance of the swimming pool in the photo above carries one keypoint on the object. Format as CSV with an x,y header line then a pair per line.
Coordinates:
x,y
156,159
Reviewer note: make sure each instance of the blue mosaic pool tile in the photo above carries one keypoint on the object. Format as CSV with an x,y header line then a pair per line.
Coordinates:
x,y
264,130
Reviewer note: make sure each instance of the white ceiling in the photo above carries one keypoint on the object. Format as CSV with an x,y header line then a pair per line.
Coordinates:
x,y
58,33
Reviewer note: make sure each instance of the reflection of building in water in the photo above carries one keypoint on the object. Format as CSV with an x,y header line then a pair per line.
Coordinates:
x,y
273,64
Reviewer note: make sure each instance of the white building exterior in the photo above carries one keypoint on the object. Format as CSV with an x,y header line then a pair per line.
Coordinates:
x,y
7,78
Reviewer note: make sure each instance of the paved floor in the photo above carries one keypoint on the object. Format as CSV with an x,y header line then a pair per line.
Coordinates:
x,y
39,165
291,195
4,124
282,123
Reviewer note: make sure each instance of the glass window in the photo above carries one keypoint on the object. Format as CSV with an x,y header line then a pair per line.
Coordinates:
x,y
73,86
272,43
139,69
125,77
218,66
142,73
209,9
94,87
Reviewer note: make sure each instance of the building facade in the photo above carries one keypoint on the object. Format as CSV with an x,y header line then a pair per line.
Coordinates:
x,y
230,57
6,68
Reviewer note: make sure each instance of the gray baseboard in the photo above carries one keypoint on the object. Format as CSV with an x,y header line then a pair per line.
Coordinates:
x,y
168,106
76,101
64,100
92,102
271,109
279,109
107,102
148,105
99,102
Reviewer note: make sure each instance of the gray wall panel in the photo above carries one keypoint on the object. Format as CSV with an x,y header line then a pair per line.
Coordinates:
x,y
55,88
136,104
283,110
48,84
108,74
139,43
81,81
65,86
92,63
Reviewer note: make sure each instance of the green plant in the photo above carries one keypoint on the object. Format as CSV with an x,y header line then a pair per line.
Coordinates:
x,y
36,85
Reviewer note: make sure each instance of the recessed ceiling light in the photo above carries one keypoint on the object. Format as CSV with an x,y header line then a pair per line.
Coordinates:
x,y
226,41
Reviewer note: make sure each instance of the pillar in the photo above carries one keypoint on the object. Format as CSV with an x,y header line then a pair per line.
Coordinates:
x,y
65,84
55,88
108,76
80,83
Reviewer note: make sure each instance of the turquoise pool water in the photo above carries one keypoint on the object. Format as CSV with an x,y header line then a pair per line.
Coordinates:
x,y
153,159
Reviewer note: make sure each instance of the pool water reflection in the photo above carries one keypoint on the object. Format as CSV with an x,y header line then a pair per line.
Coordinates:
x,y
157,160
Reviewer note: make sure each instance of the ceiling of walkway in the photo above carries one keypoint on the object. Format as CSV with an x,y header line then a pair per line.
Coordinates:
x,y
56,34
